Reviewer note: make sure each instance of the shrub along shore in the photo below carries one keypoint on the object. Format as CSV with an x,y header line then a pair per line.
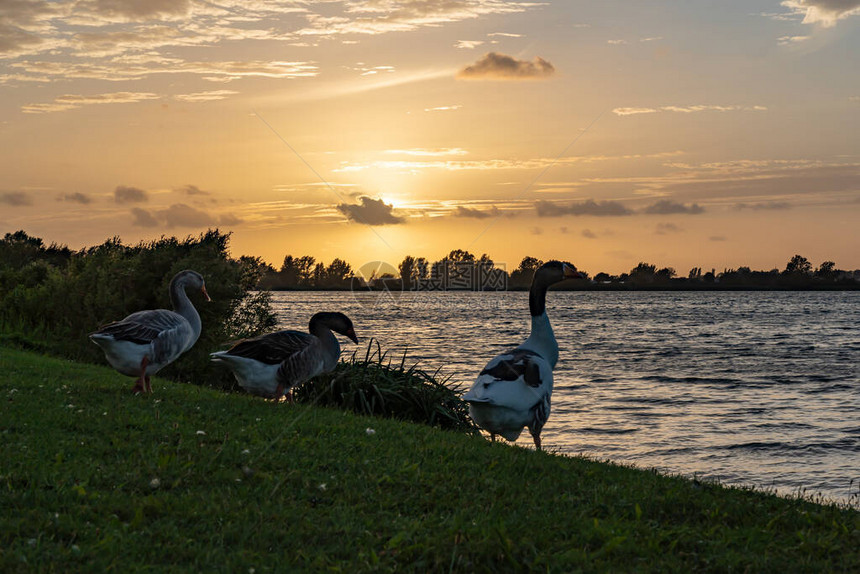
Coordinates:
x,y
93,478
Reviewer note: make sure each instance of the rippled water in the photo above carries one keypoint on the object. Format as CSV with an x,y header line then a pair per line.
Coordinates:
x,y
751,388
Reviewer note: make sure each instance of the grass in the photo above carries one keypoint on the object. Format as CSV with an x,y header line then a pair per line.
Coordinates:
x,y
375,385
192,479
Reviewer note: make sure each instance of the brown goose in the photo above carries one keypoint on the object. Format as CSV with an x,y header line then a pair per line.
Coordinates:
x,y
144,342
271,365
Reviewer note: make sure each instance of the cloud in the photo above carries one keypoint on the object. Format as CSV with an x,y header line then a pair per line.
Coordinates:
x,y
76,198
495,66
383,16
767,206
180,215
667,228
72,101
370,212
468,44
718,238
192,190
475,213
205,96
421,152
669,207
587,233
824,12
126,194
142,218
15,198
444,108
789,40
587,207
631,111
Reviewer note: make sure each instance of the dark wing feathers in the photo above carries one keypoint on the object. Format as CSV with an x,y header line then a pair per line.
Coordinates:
x,y
273,348
300,366
515,365
143,327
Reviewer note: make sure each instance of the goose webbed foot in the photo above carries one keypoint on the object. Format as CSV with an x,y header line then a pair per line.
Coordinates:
x,y
139,387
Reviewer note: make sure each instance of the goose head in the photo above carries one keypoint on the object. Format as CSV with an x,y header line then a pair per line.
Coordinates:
x,y
554,272
189,278
337,322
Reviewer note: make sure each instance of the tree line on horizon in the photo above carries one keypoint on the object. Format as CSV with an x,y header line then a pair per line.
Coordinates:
x,y
462,270
27,259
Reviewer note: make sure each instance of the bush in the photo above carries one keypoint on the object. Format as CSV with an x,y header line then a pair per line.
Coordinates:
x,y
373,386
57,306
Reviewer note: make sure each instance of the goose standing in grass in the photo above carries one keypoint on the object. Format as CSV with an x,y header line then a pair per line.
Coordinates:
x,y
146,341
514,389
271,365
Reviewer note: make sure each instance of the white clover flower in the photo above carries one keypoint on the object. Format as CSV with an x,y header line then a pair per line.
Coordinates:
x,y
154,483
369,431
201,432
246,451
322,486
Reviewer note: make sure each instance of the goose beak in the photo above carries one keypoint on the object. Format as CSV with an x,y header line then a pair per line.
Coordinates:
x,y
351,334
205,294
570,272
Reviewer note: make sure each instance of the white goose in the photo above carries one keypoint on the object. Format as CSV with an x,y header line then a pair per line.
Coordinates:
x,y
271,365
513,391
144,342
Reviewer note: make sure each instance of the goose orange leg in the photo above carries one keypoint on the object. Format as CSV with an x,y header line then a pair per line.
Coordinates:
x,y
142,381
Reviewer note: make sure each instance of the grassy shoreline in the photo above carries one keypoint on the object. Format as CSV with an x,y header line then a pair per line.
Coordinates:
x,y
95,479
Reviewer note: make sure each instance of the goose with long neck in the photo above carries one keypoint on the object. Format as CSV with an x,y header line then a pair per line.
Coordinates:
x,y
144,342
514,390
272,365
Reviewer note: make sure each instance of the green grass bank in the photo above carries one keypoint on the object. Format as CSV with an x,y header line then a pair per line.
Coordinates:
x,y
192,479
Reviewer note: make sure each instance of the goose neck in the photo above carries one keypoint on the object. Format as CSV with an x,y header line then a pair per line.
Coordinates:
x,y
182,305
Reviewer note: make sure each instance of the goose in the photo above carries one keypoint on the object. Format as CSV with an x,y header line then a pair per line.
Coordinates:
x,y
272,365
144,342
513,391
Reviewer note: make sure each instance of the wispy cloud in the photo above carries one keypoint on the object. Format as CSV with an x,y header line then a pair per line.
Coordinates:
x,y
463,211
180,215
588,207
428,152
631,111
205,96
77,197
444,108
468,44
669,207
73,101
495,66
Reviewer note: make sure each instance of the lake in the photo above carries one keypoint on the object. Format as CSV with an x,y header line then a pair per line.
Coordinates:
x,y
749,388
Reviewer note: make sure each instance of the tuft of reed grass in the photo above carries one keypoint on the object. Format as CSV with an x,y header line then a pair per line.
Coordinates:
x,y
376,385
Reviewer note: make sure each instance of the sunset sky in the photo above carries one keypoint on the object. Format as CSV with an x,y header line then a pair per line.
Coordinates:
x,y
697,133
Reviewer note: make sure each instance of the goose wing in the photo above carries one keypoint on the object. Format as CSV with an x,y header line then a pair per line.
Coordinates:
x,y
145,327
274,348
519,379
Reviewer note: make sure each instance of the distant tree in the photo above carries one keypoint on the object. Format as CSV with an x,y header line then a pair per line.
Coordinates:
x,y
798,265
460,256
338,273
524,273
407,269
603,277
253,270
666,273
305,268
695,274
827,270
710,276
485,261
288,276
643,273
318,276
